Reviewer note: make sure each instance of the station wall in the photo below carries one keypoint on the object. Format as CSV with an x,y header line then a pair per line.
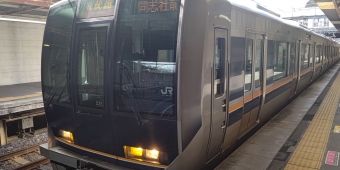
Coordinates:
x,y
20,51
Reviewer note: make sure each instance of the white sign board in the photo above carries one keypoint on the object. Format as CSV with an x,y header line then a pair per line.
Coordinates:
x,y
27,122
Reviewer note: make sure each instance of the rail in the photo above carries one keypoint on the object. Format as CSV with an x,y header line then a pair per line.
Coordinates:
x,y
29,164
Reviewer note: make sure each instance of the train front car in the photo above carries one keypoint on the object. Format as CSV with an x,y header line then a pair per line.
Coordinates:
x,y
133,83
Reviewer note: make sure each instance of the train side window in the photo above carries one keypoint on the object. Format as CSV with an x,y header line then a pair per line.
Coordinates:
x,y
258,62
249,65
280,60
317,55
292,58
270,61
324,53
304,56
219,65
311,55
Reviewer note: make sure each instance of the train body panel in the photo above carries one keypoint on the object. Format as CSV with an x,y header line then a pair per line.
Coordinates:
x,y
171,84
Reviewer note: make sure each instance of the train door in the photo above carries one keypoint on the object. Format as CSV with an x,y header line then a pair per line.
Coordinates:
x,y
295,62
90,63
220,77
253,78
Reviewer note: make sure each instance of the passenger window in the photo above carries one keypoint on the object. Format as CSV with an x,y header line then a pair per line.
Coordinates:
x,y
317,55
248,70
304,56
311,55
324,53
219,65
280,61
292,58
258,62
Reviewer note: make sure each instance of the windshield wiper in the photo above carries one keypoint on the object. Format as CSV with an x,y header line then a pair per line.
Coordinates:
x,y
129,90
47,105
123,69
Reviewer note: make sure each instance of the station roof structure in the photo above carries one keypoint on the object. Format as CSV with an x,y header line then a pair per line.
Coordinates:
x,y
25,9
331,8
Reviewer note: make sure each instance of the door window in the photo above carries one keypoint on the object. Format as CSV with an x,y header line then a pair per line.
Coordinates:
x,y
219,66
258,62
249,65
292,58
91,52
280,61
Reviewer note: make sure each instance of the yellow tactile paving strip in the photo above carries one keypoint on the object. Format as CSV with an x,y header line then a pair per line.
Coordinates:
x,y
309,153
19,97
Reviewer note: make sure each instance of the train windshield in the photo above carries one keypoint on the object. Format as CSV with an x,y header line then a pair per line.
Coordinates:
x,y
56,54
145,57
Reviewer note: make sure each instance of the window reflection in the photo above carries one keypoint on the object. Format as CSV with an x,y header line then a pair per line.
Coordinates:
x,y
258,62
304,56
91,52
280,60
249,64
56,54
145,60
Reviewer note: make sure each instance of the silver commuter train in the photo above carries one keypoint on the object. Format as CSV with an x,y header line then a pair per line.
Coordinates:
x,y
167,84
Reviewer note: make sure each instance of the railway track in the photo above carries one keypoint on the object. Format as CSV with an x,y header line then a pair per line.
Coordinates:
x,y
24,159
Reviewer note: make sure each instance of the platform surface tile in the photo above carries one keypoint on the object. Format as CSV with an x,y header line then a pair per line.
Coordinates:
x,y
300,136
20,97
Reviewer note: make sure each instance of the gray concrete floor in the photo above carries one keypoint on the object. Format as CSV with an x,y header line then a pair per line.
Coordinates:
x,y
271,146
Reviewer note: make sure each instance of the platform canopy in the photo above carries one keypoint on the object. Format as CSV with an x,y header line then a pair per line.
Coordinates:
x,y
25,9
331,10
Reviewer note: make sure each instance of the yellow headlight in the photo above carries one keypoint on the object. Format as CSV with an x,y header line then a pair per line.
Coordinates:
x,y
66,135
138,152
151,154
141,154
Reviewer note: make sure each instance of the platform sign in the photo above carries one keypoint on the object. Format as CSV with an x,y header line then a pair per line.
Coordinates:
x,y
332,158
337,129
27,122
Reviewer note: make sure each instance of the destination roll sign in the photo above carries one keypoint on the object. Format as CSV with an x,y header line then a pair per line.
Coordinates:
x,y
96,8
156,6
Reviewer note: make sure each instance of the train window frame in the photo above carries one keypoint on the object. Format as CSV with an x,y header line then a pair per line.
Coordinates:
x,y
145,62
55,63
311,54
318,54
284,62
219,63
293,63
304,56
249,48
90,74
258,62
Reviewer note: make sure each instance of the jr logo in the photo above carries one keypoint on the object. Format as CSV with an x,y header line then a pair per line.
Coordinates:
x,y
167,91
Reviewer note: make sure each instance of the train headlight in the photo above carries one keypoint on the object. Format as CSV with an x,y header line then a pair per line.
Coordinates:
x,y
66,135
141,154
151,154
135,152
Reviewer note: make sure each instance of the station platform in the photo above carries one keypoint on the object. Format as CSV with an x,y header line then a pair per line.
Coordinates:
x,y
20,97
303,136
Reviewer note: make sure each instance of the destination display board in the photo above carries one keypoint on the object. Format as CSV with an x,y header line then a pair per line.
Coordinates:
x,y
96,8
157,6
